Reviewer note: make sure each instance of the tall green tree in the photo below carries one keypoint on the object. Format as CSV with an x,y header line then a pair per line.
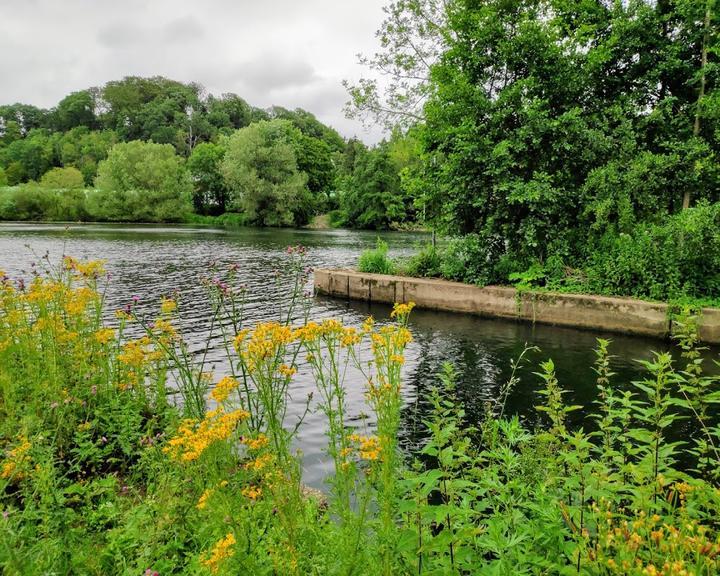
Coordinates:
x,y
261,170
374,198
142,181
548,123
77,109
210,194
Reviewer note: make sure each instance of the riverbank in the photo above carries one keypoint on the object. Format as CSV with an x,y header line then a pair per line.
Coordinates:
x,y
604,313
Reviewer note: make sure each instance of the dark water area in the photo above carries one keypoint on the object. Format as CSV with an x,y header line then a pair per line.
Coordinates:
x,y
151,261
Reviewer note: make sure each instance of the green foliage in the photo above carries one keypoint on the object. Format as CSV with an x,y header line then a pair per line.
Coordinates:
x,y
3,178
662,261
77,109
551,128
309,177
226,220
465,259
373,197
63,179
376,261
261,171
210,192
84,149
141,181
34,202
427,262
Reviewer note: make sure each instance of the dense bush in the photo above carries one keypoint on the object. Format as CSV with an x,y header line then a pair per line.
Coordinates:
x,y
680,257
469,259
427,262
34,202
376,261
63,179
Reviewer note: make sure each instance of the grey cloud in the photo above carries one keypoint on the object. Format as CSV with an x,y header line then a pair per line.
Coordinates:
x,y
183,29
271,72
121,35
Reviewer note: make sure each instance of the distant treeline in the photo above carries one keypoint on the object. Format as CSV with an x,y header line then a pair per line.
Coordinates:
x,y
154,149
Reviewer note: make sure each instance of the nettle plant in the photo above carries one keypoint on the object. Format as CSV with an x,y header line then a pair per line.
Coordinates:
x,y
123,453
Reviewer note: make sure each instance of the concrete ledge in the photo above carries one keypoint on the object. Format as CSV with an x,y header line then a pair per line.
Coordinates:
x,y
623,315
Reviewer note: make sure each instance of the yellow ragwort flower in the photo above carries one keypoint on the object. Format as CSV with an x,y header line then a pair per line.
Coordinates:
x,y
221,551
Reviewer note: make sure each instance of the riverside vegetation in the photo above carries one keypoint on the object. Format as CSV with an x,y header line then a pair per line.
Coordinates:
x,y
568,145
122,454
158,150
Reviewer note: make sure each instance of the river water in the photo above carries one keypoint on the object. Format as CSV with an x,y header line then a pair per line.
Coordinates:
x,y
150,261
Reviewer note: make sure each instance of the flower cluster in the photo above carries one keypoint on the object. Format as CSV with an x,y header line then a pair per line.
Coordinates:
x,y
222,389
256,443
252,492
221,551
402,311
264,345
91,269
168,306
194,436
368,446
207,494
17,459
137,353
649,545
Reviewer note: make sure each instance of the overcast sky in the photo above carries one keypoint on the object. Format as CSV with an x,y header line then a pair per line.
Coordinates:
x,y
292,53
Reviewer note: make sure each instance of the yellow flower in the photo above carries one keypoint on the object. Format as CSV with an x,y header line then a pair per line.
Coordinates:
x,y
256,443
349,337
287,371
260,463
223,389
123,315
401,311
167,305
17,458
204,497
252,492
368,324
164,329
369,446
104,335
194,437
89,269
221,551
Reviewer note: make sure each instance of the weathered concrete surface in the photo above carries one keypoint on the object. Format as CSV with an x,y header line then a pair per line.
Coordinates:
x,y
709,325
624,315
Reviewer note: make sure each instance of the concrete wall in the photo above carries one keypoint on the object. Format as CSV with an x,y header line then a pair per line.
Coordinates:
x,y
624,315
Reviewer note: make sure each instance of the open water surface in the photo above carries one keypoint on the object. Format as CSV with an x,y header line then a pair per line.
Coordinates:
x,y
150,261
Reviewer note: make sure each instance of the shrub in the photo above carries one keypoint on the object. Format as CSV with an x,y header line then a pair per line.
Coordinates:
x,y
468,259
680,257
376,261
102,473
426,263
63,179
